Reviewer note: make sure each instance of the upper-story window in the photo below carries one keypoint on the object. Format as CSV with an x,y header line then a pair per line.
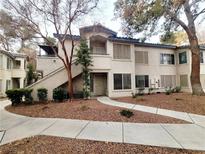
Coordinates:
x,y
1,61
17,64
121,51
167,58
182,58
202,57
141,57
9,63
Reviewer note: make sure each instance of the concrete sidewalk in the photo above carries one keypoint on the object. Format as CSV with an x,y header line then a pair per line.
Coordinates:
x,y
186,136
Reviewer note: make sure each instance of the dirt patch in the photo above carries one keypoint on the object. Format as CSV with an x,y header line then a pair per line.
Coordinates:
x,y
87,110
183,102
53,145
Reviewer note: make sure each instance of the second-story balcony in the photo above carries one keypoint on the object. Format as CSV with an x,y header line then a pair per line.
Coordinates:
x,y
98,45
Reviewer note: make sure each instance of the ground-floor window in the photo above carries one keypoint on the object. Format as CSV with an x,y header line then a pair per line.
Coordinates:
x,y
8,84
184,81
142,81
122,81
168,81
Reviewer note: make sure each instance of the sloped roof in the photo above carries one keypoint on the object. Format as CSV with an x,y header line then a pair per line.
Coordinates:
x,y
97,28
74,37
12,54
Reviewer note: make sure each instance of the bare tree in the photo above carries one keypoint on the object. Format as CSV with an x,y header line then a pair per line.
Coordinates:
x,y
12,30
58,14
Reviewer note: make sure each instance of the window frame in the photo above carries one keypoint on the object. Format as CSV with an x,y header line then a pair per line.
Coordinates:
x,y
144,54
9,64
186,81
122,80
8,84
181,62
146,83
167,54
121,44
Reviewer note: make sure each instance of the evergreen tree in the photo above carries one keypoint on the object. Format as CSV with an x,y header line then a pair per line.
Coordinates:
x,y
84,59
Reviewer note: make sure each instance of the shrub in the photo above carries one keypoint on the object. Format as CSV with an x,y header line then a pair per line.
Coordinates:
x,y
141,91
150,90
133,95
27,95
168,91
15,95
42,94
126,113
178,89
59,94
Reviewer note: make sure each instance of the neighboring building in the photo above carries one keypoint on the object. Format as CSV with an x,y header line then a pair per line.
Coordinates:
x,y
121,65
12,71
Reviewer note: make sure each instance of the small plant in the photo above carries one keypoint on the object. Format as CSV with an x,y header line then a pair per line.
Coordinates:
x,y
134,95
42,94
178,89
150,90
141,91
59,94
168,91
126,113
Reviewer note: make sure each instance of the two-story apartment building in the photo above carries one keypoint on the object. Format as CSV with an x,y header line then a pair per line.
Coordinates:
x,y
12,71
121,65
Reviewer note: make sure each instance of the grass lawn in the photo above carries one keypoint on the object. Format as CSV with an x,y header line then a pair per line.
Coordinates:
x,y
54,145
87,110
184,102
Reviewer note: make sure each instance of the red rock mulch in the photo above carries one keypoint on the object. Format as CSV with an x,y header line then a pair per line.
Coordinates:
x,y
87,110
54,145
184,102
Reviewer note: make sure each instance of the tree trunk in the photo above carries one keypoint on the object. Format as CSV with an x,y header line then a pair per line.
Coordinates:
x,y
195,68
70,83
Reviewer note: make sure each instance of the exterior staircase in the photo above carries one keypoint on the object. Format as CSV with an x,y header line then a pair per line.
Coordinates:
x,y
54,80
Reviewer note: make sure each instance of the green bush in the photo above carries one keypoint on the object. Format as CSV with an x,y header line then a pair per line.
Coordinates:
x,y
150,91
15,95
141,91
42,94
168,91
27,95
126,113
59,94
134,95
178,89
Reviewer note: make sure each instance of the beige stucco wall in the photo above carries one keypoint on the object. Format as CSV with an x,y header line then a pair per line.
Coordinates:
x,y
48,64
106,64
8,74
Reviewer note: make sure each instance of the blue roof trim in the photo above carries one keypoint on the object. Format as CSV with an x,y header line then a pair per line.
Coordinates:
x,y
202,46
74,37
137,43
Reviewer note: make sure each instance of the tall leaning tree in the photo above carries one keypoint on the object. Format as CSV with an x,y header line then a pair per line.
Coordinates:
x,y
57,15
148,15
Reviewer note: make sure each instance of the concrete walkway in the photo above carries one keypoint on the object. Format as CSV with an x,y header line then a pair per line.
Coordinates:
x,y
185,136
